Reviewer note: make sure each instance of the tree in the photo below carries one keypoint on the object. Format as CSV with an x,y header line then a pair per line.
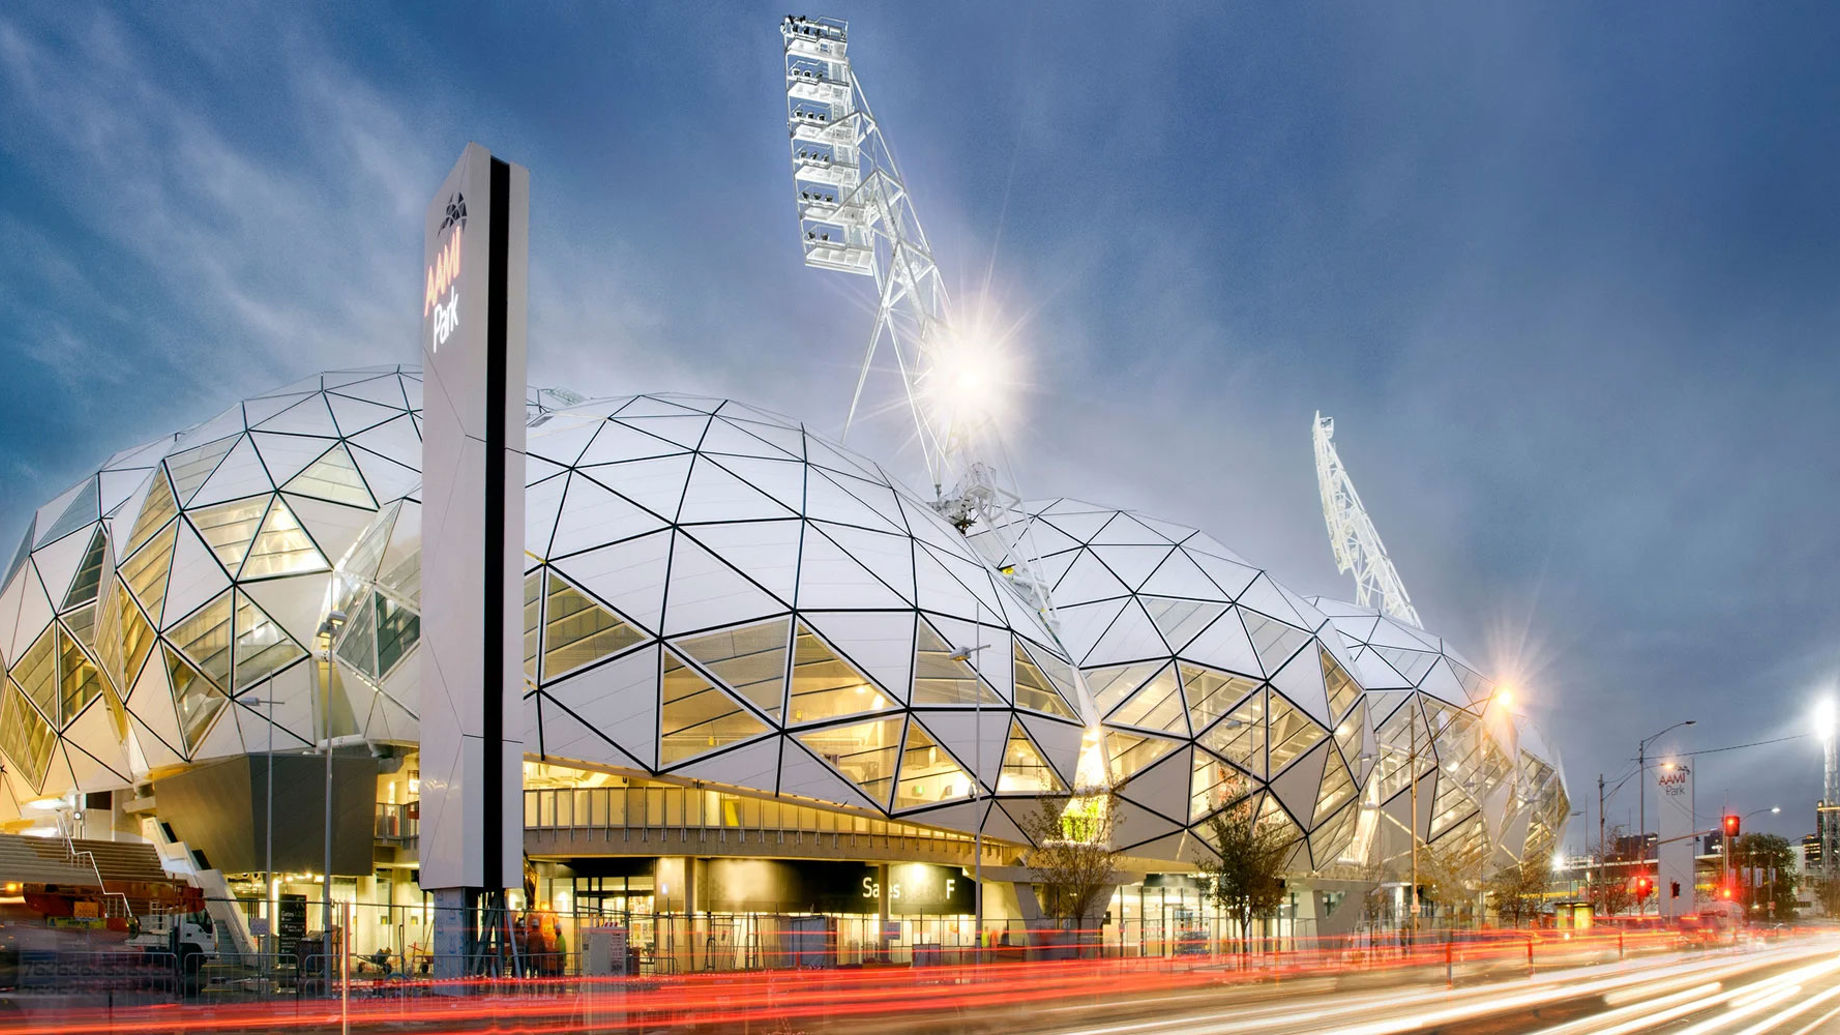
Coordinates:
x,y
1827,892
1519,891
1246,878
1771,880
1073,851
1612,875
1446,872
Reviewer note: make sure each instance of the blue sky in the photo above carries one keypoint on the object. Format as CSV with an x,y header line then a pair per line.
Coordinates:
x,y
1564,275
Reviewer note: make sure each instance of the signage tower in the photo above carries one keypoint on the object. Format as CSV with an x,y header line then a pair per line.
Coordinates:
x,y
476,250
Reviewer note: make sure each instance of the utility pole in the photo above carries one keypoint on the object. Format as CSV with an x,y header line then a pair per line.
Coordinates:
x,y
1412,774
1603,850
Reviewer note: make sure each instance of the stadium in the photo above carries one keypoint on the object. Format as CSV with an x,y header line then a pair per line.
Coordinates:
x,y
764,682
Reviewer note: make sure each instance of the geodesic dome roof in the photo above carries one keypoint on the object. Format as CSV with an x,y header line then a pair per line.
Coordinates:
x,y
1488,792
713,592
1215,684
727,596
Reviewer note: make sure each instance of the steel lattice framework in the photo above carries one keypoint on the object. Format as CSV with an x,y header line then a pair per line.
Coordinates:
x,y
856,216
1352,535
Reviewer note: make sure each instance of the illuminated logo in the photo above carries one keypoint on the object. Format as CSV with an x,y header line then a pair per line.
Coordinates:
x,y
441,298
1673,780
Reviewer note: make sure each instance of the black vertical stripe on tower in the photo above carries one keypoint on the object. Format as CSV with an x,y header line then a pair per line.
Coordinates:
x,y
493,568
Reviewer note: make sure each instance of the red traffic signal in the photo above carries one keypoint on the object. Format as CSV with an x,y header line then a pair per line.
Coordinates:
x,y
1643,884
1731,825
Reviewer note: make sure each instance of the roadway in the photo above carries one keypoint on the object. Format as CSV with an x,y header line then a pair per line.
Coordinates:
x,y
1592,986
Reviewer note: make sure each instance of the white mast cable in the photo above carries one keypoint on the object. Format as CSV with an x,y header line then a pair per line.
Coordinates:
x,y
1352,535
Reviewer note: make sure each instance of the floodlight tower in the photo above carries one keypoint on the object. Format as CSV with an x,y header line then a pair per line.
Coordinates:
x,y
1352,535
856,216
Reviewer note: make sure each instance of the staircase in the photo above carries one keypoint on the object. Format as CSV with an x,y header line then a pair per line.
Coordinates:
x,y
114,903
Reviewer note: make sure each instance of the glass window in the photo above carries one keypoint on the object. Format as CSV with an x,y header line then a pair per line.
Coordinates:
x,y
1033,689
866,753
155,512
940,678
578,631
1132,753
197,698
1272,640
36,672
929,775
1239,737
695,716
1024,770
89,573
1156,706
825,686
1343,691
205,639
79,681
282,547
25,736
333,477
751,660
145,572
1210,694
1290,732
1112,685
229,528
190,467
398,630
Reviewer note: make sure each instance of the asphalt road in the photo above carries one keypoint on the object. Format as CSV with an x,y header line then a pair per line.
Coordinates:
x,y
1791,988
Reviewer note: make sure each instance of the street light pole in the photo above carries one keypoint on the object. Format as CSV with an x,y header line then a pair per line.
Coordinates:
x,y
1642,799
330,630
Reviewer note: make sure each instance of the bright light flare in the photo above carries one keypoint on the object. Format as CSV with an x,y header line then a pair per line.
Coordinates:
x,y
1824,718
970,380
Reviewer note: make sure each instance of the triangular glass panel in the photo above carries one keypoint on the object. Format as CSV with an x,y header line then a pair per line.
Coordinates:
x,y
229,528
1128,754
366,554
1412,664
205,638
751,660
577,631
1034,691
1024,770
79,680
25,736
1239,737
262,647
1274,641
1348,733
190,467
1215,785
358,640
196,697
1180,620
533,623
155,512
942,679
1343,690
1338,787
399,629
695,716
89,573
1157,705
36,672
282,547
1291,732
124,637
1108,686
1211,694
334,478
929,775
146,571
866,753
82,624
83,509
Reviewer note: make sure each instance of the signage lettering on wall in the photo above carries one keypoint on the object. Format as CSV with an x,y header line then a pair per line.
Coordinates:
x,y
441,297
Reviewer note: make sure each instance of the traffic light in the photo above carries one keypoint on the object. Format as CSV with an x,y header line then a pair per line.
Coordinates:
x,y
1731,825
1643,884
